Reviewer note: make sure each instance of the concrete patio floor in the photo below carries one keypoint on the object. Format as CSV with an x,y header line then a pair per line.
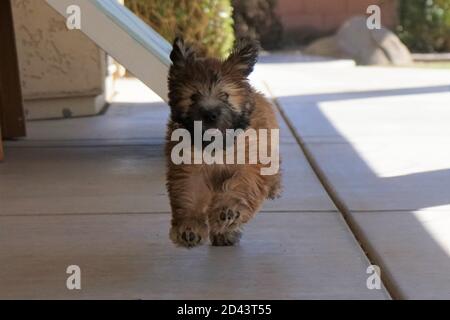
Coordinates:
x,y
379,139
90,192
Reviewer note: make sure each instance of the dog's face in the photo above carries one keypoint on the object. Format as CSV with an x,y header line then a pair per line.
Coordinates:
x,y
209,90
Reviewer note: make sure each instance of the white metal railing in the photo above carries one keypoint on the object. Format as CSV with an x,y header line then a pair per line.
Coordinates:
x,y
125,37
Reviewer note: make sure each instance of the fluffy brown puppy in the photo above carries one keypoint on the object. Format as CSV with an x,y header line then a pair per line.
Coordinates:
x,y
216,199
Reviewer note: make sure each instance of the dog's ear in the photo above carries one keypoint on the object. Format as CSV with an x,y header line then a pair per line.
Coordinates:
x,y
181,52
243,57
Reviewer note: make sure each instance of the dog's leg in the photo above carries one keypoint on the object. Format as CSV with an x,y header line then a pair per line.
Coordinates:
x,y
239,200
275,186
190,198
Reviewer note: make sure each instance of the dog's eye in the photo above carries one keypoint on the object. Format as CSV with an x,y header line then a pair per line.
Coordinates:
x,y
195,97
224,96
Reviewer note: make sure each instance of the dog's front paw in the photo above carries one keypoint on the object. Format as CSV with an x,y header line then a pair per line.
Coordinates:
x,y
189,233
228,238
226,215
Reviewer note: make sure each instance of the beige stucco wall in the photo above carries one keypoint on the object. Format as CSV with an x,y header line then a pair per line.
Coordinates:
x,y
56,63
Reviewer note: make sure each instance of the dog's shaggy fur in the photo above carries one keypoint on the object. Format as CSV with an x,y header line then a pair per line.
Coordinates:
x,y
215,200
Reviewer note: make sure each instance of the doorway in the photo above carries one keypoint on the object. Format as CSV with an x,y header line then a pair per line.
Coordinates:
x,y
12,117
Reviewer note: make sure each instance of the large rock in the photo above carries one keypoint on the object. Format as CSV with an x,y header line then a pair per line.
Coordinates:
x,y
367,47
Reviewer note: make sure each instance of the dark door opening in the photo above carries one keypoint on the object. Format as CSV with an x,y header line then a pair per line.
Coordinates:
x,y
12,117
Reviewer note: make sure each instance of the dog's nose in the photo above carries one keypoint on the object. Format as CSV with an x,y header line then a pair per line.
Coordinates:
x,y
211,115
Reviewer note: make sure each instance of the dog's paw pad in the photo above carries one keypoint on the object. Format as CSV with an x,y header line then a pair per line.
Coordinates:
x,y
191,238
226,239
189,235
228,216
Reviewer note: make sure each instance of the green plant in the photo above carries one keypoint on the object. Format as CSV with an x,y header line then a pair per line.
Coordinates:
x,y
424,25
207,23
